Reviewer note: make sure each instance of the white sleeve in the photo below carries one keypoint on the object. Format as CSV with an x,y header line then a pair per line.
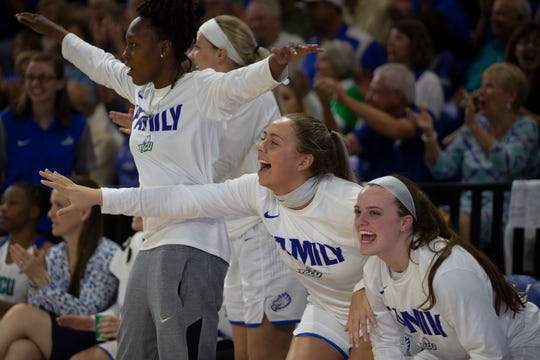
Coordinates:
x,y
386,337
227,91
100,66
233,197
464,299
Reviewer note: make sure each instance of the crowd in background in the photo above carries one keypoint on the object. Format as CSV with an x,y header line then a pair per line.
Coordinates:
x,y
440,90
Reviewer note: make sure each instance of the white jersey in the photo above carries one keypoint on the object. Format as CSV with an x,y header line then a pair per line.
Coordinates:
x,y
238,150
13,282
461,325
318,243
177,142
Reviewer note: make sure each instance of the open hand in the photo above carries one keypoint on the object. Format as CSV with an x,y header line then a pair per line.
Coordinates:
x,y
42,25
80,197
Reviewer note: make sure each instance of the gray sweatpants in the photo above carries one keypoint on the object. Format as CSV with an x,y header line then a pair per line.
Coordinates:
x,y
171,305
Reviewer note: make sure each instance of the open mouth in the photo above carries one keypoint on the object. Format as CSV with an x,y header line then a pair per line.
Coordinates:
x,y
367,237
264,165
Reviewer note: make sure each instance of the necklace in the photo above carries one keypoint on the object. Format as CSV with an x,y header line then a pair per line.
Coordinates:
x,y
151,112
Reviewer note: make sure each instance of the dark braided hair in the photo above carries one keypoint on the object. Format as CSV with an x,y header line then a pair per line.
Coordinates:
x,y
174,20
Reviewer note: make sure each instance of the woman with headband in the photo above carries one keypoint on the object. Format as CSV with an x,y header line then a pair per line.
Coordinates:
x,y
179,117
304,194
432,293
256,277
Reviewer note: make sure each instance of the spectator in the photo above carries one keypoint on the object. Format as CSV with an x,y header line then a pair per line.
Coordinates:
x,y
409,43
264,19
109,320
337,63
40,129
22,205
498,146
523,50
388,140
70,279
434,294
289,98
326,18
506,16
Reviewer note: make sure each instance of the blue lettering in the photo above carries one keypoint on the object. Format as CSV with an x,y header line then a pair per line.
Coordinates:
x,y
175,113
304,250
427,323
154,123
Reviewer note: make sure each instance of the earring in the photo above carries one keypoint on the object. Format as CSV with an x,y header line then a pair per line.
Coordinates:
x,y
161,56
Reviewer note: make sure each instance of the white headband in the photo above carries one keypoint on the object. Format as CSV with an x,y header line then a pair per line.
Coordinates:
x,y
213,33
398,189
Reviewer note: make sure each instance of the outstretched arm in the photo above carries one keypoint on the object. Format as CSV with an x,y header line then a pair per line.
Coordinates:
x,y
282,56
42,25
80,197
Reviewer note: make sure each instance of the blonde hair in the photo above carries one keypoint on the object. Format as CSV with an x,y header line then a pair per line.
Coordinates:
x,y
511,79
242,39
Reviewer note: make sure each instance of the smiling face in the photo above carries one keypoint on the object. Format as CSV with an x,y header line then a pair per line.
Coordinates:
x,y
381,230
282,167
204,55
16,210
142,52
41,82
527,52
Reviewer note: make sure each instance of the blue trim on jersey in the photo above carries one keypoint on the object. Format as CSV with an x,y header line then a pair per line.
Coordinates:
x,y
277,323
237,322
109,355
345,356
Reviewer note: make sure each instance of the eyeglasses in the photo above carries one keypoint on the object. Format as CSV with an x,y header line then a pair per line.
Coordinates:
x,y
40,78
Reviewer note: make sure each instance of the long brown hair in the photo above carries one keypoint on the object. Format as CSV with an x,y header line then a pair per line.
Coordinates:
x,y
429,225
327,146
89,238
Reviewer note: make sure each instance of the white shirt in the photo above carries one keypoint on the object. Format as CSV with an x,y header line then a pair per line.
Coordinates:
x,y
318,243
13,282
461,325
179,143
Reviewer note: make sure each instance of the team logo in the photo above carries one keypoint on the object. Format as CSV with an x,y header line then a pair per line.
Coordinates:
x,y
310,272
427,345
68,141
268,216
281,302
146,145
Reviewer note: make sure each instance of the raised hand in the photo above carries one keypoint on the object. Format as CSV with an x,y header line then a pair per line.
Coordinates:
x,y
42,25
282,56
80,197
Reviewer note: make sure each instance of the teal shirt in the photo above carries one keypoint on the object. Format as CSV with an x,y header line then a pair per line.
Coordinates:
x,y
493,52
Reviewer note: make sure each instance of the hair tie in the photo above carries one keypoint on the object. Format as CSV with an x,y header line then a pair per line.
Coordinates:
x,y
256,50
